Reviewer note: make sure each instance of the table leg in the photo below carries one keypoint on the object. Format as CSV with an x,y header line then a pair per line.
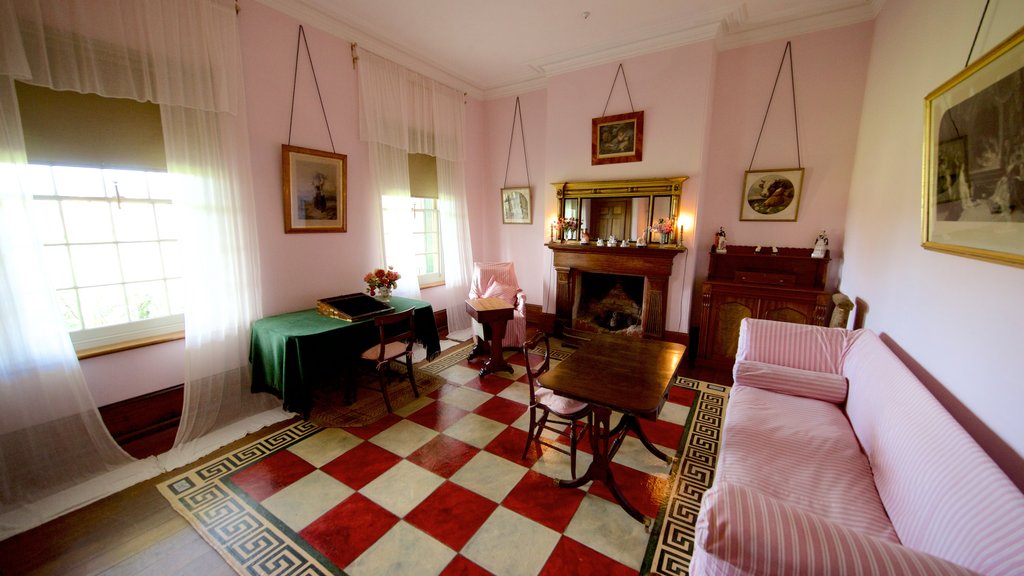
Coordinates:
x,y
603,442
630,422
496,362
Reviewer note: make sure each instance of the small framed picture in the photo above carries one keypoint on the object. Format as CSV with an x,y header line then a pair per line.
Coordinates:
x,y
515,206
772,195
314,190
616,139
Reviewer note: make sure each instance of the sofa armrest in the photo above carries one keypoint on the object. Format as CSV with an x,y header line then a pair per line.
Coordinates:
x,y
752,533
802,346
791,381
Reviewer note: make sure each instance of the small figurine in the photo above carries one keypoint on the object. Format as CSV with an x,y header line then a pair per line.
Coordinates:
x,y
641,242
584,236
611,240
820,246
720,240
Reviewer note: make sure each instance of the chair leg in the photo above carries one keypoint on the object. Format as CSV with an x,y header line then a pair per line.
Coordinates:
x,y
382,376
531,431
572,448
412,376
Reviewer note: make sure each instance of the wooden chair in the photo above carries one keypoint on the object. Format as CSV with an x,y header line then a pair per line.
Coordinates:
x,y
544,404
397,334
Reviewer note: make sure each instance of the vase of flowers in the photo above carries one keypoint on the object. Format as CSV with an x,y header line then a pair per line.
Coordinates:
x,y
664,226
380,283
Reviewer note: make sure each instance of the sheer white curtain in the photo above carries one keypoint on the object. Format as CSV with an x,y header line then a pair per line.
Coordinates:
x,y
401,113
183,55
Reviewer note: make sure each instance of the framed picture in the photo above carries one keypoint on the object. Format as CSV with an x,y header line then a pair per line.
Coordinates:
x,y
771,195
618,138
314,190
515,206
973,174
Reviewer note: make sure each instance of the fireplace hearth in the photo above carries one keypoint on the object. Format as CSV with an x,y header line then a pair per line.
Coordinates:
x,y
649,266
609,303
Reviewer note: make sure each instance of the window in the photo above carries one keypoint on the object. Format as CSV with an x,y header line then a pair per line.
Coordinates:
x,y
103,206
110,247
424,227
427,241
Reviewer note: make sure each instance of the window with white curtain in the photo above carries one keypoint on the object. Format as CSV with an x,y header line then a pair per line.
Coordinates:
x,y
426,220
103,210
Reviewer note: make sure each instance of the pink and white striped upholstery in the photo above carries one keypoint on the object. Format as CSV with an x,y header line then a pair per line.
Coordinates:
x,y
801,451
747,532
792,345
902,490
792,381
503,274
944,495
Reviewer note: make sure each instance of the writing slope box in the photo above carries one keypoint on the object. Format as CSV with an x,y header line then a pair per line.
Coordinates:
x,y
352,307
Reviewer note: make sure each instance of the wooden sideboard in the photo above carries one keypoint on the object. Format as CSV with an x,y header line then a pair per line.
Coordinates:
x,y
788,286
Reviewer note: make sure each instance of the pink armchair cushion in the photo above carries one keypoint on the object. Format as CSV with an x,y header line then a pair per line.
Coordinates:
x,y
506,292
792,381
742,531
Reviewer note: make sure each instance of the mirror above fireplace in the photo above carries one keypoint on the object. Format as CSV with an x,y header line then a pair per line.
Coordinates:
x,y
627,209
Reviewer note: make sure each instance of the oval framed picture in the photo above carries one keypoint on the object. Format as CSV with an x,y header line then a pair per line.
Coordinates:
x,y
772,195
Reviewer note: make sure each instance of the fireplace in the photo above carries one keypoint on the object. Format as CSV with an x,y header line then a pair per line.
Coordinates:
x,y
610,303
639,273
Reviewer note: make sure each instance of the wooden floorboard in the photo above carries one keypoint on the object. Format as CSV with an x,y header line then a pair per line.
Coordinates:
x,y
131,533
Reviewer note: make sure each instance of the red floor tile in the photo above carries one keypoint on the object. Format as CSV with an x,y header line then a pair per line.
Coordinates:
x,y
266,477
509,445
662,433
538,498
571,557
443,455
644,491
367,432
348,529
437,415
501,410
452,514
491,385
519,360
460,566
361,465
680,395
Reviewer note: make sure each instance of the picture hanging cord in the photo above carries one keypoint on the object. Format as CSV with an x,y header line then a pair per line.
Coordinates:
x,y
624,81
978,31
517,113
295,78
792,80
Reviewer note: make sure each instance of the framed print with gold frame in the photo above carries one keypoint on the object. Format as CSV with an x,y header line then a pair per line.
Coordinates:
x,y
314,185
972,202
772,195
616,139
515,206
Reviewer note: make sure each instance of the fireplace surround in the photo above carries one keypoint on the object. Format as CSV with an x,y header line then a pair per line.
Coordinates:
x,y
652,263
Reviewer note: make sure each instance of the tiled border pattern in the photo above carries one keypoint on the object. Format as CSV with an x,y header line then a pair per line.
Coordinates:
x,y
671,545
253,544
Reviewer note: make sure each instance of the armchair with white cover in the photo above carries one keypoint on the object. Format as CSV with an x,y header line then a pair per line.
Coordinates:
x,y
498,280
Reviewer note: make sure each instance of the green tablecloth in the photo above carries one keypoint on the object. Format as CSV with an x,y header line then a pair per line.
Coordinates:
x,y
291,353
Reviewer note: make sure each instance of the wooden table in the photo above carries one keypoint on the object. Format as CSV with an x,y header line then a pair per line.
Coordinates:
x,y
622,374
495,314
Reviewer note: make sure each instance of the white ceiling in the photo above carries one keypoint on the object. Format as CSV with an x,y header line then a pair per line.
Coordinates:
x,y
494,48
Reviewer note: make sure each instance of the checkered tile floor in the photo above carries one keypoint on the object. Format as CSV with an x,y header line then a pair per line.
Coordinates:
x,y
440,488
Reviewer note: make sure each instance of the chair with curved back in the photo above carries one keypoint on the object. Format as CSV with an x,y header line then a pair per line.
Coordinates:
x,y
397,334
544,404
498,280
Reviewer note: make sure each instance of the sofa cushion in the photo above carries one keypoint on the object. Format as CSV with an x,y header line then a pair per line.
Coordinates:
x,y
792,381
793,345
944,495
743,531
801,451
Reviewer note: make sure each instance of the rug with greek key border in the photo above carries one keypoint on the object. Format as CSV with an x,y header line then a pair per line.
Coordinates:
x,y
671,546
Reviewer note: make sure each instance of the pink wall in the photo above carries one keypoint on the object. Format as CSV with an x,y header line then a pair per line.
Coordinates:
x,y
955,320
830,69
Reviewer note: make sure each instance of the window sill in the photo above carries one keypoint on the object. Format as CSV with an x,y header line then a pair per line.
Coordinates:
x,y
129,345
431,285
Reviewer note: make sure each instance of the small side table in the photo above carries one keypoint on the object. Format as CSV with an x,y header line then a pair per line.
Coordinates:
x,y
494,313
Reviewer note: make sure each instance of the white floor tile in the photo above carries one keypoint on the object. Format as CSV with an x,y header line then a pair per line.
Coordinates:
x,y
404,437
489,475
402,487
511,544
293,506
475,430
325,446
605,526
403,550
468,399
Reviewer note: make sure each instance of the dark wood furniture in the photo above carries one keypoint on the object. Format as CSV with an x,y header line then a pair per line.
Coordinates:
x,y
495,314
566,413
622,374
396,335
788,286
653,262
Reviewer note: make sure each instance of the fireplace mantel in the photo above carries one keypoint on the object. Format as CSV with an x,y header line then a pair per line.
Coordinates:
x,y
653,262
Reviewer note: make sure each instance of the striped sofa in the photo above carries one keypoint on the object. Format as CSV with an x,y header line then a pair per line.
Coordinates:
x,y
835,459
